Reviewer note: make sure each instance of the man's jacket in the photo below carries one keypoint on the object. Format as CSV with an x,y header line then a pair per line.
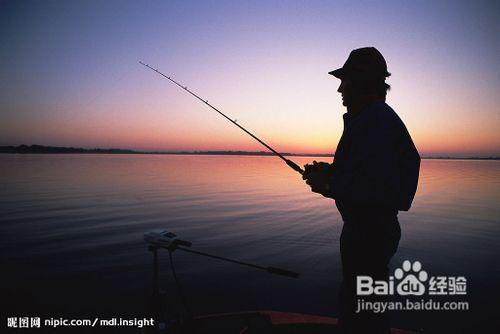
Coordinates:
x,y
376,164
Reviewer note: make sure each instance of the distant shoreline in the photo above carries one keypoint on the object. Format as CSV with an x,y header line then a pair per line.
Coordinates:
x,y
41,149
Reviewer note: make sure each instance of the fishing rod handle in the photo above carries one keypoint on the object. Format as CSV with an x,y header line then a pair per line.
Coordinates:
x,y
294,166
282,272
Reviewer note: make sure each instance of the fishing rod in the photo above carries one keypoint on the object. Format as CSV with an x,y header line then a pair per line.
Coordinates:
x,y
289,162
168,240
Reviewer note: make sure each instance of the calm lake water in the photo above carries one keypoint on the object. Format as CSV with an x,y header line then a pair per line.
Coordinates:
x,y
72,225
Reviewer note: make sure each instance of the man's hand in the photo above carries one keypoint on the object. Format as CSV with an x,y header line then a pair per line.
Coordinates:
x,y
318,177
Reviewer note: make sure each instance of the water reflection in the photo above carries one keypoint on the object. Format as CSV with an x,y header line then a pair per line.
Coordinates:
x,y
77,220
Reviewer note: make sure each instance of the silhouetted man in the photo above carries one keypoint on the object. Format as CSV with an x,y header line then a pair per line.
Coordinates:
x,y
374,175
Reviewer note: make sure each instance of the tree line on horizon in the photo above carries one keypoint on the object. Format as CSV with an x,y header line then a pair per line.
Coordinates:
x,y
39,149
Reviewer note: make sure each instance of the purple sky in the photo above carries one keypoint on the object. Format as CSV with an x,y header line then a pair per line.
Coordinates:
x,y
70,72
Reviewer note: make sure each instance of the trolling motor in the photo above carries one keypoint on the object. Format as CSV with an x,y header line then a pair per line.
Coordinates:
x,y
157,239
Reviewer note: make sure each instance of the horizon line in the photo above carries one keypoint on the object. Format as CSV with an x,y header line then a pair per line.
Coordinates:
x,y
43,149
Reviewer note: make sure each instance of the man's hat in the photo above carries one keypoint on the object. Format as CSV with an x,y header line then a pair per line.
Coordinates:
x,y
367,62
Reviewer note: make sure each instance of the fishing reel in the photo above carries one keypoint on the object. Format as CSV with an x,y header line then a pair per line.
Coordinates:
x,y
318,175
323,168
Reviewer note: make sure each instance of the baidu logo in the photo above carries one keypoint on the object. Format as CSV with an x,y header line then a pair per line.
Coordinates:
x,y
412,277
409,280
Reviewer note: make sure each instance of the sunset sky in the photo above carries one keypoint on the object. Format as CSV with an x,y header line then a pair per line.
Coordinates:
x,y
70,72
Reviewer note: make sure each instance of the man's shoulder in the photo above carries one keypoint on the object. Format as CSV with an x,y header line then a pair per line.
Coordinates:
x,y
382,121
386,116
380,114
383,111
